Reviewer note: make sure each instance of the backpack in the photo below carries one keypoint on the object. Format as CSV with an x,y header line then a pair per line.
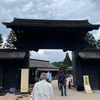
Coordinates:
x,y
61,79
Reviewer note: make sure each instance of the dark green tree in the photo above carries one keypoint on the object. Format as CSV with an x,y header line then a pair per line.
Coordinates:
x,y
67,61
1,40
62,66
9,41
91,40
57,64
98,44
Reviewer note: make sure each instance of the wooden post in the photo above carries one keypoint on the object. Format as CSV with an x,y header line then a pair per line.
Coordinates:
x,y
1,78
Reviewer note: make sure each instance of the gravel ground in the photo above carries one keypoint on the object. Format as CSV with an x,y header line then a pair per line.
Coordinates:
x,y
72,94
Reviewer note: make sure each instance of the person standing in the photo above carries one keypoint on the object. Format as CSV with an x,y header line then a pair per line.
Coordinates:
x,y
42,90
58,74
49,77
62,81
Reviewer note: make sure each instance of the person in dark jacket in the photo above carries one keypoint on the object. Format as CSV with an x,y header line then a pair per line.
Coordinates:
x,y
62,81
58,74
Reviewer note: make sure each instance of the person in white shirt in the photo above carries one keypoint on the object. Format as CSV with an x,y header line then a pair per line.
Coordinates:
x,y
42,90
49,77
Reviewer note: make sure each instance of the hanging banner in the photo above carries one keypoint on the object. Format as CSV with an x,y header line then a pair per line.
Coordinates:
x,y
87,84
24,80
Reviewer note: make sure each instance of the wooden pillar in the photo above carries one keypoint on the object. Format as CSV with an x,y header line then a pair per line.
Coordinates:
x,y
26,60
99,77
1,78
77,71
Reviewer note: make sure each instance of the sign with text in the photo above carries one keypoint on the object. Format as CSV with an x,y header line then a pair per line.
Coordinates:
x,y
24,80
87,84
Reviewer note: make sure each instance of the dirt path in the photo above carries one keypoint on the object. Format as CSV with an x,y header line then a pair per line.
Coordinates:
x,y
74,95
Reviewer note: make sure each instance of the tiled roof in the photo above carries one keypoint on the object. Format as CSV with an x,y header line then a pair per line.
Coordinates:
x,y
34,63
50,23
89,54
12,54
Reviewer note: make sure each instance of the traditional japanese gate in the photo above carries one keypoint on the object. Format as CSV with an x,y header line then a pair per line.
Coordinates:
x,y
33,34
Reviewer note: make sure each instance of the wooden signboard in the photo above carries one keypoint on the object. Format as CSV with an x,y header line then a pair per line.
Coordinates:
x,y
24,80
87,86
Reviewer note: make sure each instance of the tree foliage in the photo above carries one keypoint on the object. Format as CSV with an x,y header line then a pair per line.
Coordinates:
x,y
57,64
98,44
67,61
9,41
91,40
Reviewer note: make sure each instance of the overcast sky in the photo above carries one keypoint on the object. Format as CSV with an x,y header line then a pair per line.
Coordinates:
x,y
49,9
